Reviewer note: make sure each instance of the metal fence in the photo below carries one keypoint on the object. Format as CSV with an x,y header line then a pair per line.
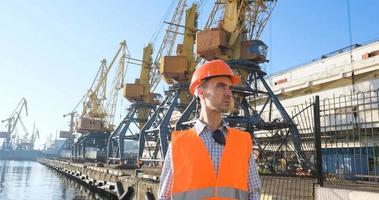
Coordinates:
x,y
350,138
283,176
285,187
278,154
340,138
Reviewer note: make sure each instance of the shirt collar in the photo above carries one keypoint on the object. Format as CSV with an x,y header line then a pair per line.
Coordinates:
x,y
200,127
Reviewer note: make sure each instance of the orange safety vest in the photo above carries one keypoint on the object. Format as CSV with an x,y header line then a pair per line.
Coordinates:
x,y
193,172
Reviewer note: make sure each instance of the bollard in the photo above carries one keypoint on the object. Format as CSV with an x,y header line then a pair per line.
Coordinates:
x,y
120,189
100,184
149,195
128,195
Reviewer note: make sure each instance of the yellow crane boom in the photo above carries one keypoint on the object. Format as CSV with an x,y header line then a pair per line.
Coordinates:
x,y
95,115
180,68
117,84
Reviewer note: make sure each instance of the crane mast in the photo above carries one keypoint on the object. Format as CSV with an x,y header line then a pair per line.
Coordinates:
x,y
148,98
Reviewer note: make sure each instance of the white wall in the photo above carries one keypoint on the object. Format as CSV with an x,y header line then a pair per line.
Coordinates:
x,y
324,193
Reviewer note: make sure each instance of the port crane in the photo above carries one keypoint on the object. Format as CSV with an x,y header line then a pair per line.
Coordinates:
x,y
141,92
12,121
143,102
97,117
235,39
176,70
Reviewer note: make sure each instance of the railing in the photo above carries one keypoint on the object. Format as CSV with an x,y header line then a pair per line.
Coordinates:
x,y
283,177
350,138
281,187
340,138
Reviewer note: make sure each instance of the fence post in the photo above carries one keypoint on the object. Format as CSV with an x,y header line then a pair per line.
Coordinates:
x,y
316,111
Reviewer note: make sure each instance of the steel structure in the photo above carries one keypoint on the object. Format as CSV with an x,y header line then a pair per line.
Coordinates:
x,y
143,103
116,143
94,143
154,136
99,108
97,105
244,21
249,116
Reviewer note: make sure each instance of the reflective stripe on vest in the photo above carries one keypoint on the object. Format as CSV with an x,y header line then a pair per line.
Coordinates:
x,y
193,171
222,192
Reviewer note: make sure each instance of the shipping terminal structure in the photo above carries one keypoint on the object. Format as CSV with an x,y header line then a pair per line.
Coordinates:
x,y
314,126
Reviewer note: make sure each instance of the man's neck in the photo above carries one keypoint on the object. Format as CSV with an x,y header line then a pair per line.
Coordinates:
x,y
212,118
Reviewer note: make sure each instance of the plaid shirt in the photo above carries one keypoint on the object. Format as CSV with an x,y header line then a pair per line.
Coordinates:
x,y
215,150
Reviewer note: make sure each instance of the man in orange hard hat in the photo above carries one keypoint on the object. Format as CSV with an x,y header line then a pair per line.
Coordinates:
x,y
211,160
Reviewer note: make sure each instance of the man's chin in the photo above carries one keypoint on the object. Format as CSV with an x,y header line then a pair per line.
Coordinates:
x,y
224,110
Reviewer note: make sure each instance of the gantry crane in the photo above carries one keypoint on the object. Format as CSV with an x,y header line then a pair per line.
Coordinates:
x,y
12,121
97,118
176,70
141,92
143,102
235,39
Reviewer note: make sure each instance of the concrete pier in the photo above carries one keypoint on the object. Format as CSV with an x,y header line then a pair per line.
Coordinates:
x,y
105,179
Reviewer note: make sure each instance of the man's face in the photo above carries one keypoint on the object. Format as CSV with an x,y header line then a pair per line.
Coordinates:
x,y
216,93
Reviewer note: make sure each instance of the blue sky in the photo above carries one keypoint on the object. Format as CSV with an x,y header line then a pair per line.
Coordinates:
x,y
51,50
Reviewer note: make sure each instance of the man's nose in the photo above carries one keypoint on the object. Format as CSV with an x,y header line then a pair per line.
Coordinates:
x,y
228,92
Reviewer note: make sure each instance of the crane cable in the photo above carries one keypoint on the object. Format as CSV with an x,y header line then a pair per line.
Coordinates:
x,y
351,47
160,25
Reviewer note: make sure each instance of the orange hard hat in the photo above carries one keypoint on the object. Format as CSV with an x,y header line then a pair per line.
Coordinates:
x,y
211,69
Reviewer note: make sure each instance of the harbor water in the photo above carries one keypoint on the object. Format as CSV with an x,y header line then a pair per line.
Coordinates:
x,y
33,181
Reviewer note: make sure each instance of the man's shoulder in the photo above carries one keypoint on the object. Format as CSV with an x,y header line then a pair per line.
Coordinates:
x,y
239,132
242,135
182,133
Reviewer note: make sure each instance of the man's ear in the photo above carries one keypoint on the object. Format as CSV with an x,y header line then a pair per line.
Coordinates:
x,y
200,92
